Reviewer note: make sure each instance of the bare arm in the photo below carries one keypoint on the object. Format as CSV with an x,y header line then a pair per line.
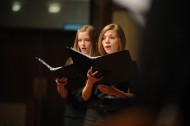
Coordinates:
x,y
62,90
87,90
114,91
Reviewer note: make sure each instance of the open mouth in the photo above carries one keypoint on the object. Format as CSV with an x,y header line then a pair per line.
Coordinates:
x,y
107,47
83,49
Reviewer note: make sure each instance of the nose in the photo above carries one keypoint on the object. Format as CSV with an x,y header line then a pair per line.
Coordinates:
x,y
107,40
83,42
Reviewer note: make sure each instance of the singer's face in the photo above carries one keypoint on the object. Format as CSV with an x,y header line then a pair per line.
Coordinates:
x,y
110,41
84,42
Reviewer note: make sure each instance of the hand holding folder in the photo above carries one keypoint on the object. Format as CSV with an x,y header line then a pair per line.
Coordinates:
x,y
116,67
75,80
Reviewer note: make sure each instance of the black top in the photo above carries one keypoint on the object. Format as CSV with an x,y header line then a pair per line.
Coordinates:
x,y
109,103
75,107
106,102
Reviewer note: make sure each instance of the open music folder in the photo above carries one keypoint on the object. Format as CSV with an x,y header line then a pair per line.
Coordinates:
x,y
115,68
75,80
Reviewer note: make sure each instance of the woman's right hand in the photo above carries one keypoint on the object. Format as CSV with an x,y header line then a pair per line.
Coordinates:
x,y
91,76
61,82
87,90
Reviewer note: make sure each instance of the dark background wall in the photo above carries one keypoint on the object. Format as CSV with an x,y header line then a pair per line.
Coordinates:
x,y
23,79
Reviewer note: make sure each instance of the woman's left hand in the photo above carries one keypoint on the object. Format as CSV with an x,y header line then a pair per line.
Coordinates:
x,y
106,89
111,90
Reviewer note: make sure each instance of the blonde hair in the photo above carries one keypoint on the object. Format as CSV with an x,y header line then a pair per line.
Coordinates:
x,y
93,38
120,33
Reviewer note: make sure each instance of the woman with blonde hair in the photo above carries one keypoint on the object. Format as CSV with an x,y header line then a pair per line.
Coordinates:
x,y
74,112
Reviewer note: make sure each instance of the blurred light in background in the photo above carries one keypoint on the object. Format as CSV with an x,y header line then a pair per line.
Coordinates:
x,y
44,14
54,8
136,8
16,6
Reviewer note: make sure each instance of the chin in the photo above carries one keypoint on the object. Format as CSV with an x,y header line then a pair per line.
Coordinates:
x,y
109,52
85,53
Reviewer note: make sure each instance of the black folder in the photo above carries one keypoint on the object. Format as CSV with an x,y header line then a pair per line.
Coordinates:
x,y
115,68
75,80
